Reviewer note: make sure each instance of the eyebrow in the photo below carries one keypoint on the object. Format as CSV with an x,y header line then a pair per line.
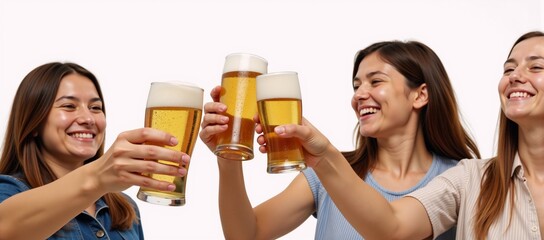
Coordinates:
x,y
72,98
370,74
530,58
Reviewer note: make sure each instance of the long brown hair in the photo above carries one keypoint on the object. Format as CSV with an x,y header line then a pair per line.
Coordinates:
x,y
21,155
442,129
497,179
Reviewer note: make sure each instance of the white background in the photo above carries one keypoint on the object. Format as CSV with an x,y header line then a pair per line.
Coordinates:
x,y
128,44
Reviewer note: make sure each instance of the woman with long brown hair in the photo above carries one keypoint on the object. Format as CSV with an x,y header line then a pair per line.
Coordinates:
x,y
409,132
497,198
56,182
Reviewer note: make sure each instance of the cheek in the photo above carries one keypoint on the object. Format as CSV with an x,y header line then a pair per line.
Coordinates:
x,y
539,82
101,123
381,93
503,83
59,120
354,104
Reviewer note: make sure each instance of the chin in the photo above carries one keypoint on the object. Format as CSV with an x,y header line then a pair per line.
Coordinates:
x,y
366,133
84,155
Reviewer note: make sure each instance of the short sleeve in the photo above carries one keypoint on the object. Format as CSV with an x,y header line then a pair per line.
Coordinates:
x,y
441,198
314,183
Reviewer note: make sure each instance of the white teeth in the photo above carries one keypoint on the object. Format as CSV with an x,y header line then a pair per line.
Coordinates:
x,y
82,135
518,95
368,110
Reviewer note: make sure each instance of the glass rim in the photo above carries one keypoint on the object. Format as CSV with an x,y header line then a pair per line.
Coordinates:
x,y
278,73
247,54
179,83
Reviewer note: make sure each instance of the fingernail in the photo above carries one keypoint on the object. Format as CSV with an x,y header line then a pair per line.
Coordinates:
x,y
171,187
185,158
279,130
173,141
224,119
182,171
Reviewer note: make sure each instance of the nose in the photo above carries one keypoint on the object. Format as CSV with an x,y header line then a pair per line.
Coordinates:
x,y
517,75
361,93
85,117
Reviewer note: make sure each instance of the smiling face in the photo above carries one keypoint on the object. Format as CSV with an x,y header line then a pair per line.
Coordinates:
x,y
382,100
74,129
521,88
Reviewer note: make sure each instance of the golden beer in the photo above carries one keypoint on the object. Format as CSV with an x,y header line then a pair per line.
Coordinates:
x,y
176,109
238,93
279,103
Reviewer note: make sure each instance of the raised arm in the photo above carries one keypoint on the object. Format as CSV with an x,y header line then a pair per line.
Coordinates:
x,y
40,212
271,219
364,208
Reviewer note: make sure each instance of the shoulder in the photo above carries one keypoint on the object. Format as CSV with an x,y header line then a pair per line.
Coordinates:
x,y
474,165
471,164
10,185
466,171
130,200
444,162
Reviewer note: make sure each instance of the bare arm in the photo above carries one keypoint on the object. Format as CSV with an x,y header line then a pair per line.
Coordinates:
x,y
269,220
44,210
366,210
239,219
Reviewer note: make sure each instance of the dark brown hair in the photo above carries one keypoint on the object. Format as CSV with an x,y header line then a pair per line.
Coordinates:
x,y
497,179
21,155
443,132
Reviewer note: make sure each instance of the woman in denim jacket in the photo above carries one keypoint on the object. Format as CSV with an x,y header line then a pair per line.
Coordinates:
x,y
56,180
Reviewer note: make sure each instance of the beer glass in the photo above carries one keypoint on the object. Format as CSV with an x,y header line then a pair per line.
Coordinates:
x,y
176,108
238,93
279,102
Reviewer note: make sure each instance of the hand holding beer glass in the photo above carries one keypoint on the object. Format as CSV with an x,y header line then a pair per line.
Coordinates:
x,y
279,102
238,93
175,108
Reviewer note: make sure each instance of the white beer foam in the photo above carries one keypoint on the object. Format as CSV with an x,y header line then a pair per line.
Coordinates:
x,y
245,62
278,85
175,94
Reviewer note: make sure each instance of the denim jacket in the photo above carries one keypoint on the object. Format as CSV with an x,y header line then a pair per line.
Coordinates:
x,y
83,226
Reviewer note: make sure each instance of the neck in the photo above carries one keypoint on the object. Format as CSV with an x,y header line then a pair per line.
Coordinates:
x,y
404,154
60,167
531,150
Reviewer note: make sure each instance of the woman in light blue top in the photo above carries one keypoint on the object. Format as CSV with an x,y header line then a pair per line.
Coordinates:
x,y
409,131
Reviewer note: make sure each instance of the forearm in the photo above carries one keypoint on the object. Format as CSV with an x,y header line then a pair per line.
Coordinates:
x,y
46,209
364,208
237,217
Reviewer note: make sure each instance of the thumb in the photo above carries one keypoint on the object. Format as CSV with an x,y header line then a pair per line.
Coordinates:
x,y
311,139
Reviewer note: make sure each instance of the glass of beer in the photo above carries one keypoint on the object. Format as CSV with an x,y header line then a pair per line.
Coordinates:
x,y
238,93
279,102
176,108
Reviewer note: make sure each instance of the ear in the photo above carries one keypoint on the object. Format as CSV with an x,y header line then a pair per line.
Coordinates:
x,y
421,97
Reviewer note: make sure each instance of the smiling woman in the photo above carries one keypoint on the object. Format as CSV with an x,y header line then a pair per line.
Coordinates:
x,y
74,129
497,198
53,162
401,96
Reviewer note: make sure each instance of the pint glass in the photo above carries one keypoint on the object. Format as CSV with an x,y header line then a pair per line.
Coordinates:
x,y
238,93
279,102
175,108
